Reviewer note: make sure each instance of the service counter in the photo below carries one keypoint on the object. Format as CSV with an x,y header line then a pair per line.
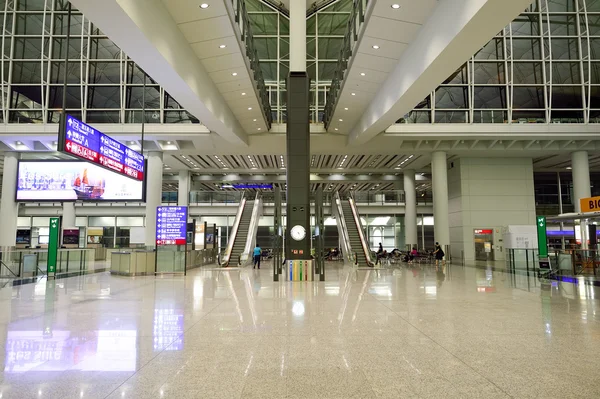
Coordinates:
x,y
133,263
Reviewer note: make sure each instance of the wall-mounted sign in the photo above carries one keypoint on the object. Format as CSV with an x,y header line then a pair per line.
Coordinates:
x,y
83,141
171,225
249,186
483,231
590,204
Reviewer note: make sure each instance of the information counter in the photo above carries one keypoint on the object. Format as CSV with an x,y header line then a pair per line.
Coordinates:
x,y
133,263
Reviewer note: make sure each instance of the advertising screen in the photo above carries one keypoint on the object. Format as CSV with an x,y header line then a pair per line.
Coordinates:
x,y
73,181
85,142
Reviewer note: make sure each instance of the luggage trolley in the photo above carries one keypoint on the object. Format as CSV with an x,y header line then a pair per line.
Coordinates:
x,y
545,268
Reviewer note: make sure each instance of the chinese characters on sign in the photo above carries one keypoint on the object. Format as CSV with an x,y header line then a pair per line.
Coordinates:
x,y
87,143
171,225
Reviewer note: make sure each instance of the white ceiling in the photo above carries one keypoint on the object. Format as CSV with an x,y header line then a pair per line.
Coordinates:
x,y
208,29
390,29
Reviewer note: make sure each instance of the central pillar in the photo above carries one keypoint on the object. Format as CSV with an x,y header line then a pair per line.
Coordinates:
x,y
9,208
183,190
298,231
410,213
439,177
68,215
581,188
153,195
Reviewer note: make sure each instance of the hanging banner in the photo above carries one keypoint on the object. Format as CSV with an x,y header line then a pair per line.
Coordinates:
x,y
53,245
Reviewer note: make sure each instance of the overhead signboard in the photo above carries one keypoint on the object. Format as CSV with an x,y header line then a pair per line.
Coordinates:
x,y
590,204
249,186
39,181
171,225
85,142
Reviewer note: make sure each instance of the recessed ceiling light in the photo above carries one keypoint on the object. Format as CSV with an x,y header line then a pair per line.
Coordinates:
x,y
243,94
234,74
249,108
353,94
19,143
362,74
336,129
395,6
259,129
204,6
346,109
168,142
341,120
569,168
253,120
376,47
222,46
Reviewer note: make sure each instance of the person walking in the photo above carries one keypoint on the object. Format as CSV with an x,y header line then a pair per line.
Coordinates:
x,y
439,254
257,254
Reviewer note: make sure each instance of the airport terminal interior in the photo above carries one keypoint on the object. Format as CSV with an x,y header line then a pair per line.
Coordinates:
x,y
299,199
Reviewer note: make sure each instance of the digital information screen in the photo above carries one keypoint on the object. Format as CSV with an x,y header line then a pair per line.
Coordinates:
x,y
171,225
73,181
85,142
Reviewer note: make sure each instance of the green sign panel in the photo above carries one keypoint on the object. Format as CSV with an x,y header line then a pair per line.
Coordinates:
x,y
53,245
542,239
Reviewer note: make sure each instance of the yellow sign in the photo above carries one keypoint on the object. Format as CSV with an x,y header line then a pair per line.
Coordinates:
x,y
590,204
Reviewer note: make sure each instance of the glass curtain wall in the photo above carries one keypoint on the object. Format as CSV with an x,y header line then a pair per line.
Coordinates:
x,y
325,29
104,85
544,67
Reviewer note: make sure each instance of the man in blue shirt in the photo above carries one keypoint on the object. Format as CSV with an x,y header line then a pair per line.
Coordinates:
x,y
257,255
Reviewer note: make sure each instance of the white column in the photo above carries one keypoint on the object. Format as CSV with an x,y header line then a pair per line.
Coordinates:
x,y
581,187
153,194
68,215
439,171
9,208
410,210
297,36
183,194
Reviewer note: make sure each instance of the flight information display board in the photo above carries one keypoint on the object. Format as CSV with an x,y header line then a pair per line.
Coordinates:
x,y
85,142
171,225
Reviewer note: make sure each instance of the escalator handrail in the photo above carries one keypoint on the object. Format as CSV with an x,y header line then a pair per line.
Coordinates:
x,y
361,233
234,230
347,251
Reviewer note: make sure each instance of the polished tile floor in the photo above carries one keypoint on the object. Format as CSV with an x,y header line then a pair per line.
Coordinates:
x,y
401,333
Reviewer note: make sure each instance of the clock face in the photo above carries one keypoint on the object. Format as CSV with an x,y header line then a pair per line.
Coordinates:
x,y
298,233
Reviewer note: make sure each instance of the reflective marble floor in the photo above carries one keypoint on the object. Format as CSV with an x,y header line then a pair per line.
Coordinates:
x,y
401,333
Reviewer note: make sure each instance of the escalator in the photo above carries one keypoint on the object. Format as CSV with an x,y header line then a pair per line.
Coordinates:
x,y
353,238
243,233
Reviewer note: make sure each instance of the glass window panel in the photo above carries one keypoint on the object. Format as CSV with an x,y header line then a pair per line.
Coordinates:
x,y
25,116
595,72
562,25
266,47
27,48
595,97
284,50
135,75
263,24
130,221
416,117
571,116
493,50
284,25
75,50
451,116
29,24
562,6
269,70
311,49
256,5
104,97
528,97
103,116
329,48
458,77
527,73
566,72
592,5
566,97
171,103
489,97
311,25
134,97
526,49
103,49
105,72
594,48
594,24
28,71
136,116
26,97
57,72
489,73
29,5
526,25
425,104
180,117
55,98
326,70
332,24
60,24
452,97
565,49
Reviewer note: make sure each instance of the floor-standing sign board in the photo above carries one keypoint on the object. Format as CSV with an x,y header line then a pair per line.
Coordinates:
x,y
544,260
83,141
53,246
171,225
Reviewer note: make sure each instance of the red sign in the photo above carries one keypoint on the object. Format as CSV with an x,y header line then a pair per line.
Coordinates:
x,y
484,231
171,242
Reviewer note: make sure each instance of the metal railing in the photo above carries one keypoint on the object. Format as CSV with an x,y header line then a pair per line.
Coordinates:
x,y
568,262
234,231
242,19
19,264
361,232
355,23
